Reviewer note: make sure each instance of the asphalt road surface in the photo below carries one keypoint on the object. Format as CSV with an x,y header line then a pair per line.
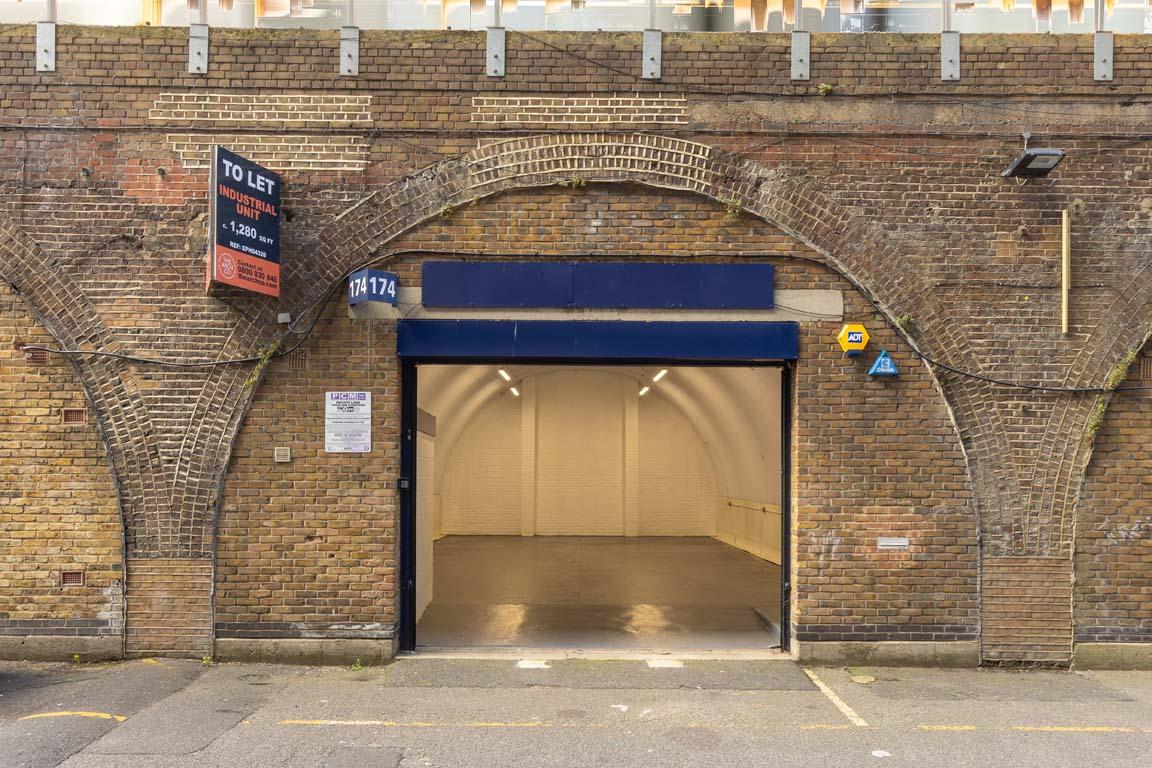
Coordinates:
x,y
572,713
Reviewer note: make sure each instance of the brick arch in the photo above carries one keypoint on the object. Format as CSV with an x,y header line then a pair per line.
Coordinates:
x,y
56,302
149,491
1092,367
860,250
71,319
1024,495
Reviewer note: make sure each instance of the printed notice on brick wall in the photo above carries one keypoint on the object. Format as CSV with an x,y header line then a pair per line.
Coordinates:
x,y
244,249
347,422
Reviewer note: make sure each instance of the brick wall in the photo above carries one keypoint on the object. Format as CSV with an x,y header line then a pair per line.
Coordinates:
x,y
308,548
170,610
1113,592
58,509
892,179
878,457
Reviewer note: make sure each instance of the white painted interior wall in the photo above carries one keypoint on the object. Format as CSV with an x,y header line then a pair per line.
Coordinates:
x,y
677,493
580,453
480,486
579,458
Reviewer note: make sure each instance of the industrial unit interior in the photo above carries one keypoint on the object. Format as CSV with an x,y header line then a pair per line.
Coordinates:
x,y
629,508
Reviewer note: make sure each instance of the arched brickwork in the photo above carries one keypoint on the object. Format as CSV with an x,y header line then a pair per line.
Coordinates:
x,y
165,507
1113,547
843,490
71,319
1025,468
1025,458
61,510
863,252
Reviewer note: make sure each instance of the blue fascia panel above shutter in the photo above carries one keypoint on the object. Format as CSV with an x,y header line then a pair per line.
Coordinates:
x,y
673,286
597,285
431,340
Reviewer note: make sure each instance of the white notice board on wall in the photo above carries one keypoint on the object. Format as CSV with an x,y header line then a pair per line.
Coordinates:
x,y
347,422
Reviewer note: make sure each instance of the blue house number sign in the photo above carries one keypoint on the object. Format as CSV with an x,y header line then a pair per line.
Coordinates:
x,y
371,285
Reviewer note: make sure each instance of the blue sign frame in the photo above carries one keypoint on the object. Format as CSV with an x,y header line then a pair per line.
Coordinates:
x,y
597,340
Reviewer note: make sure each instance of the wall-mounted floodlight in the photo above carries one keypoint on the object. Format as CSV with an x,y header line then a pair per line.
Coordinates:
x,y
1034,163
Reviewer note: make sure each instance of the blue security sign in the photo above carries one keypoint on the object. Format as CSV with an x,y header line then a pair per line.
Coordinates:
x,y
371,285
884,366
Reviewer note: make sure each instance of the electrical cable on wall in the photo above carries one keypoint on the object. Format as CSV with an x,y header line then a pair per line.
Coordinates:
x,y
337,284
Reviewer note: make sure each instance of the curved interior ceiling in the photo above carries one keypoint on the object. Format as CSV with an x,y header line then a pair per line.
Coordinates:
x,y
735,411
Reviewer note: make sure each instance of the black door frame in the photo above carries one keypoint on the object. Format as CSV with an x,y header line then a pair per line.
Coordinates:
x,y
409,387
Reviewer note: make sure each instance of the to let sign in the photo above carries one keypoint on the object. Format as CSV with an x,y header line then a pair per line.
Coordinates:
x,y
244,250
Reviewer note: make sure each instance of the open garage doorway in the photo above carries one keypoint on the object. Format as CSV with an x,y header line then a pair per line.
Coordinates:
x,y
603,507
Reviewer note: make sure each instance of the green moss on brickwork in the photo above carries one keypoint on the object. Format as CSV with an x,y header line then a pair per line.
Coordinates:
x,y
1120,370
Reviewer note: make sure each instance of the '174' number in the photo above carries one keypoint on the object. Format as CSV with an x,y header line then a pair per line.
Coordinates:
x,y
373,286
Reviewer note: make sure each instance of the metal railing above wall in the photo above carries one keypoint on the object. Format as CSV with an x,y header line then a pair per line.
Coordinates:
x,y
731,15
909,16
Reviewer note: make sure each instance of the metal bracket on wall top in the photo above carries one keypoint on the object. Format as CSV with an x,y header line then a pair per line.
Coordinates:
x,y
801,55
45,46
653,54
198,49
1102,58
349,51
496,52
949,55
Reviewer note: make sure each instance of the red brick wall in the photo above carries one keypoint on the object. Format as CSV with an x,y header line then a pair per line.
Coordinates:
x,y
878,457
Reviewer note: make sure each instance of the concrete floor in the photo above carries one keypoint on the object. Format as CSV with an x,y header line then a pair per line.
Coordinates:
x,y
615,593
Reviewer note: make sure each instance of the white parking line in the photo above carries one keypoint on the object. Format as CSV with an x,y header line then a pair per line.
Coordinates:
x,y
532,664
845,710
665,664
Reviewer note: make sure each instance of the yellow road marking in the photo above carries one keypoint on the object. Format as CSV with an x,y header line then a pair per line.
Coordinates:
x,y
336,722
845,710
826,727
1074,729
419,724
713,726
98,715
